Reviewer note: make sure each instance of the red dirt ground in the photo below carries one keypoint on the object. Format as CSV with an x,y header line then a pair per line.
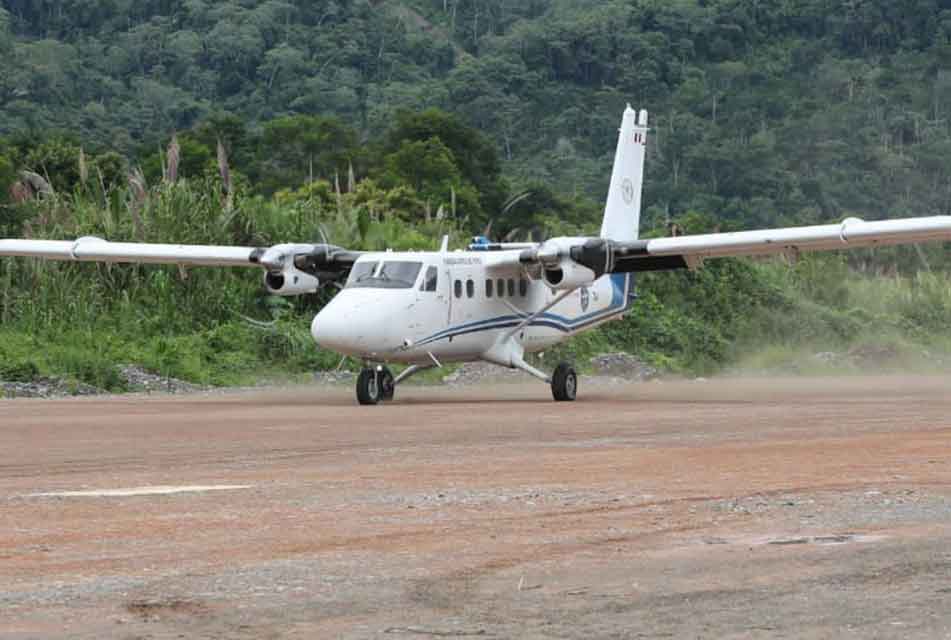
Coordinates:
x,y
727,509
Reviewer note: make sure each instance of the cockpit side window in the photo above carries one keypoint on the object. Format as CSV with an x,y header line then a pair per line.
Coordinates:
x,y
431,280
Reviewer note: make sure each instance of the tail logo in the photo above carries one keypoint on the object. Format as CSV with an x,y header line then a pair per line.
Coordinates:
x,y
627,190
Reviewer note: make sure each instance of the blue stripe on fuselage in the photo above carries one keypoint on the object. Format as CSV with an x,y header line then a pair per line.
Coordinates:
x,y
620,302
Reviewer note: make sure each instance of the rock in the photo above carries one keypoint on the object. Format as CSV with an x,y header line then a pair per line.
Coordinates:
x,y
866,355
873,354
138,379
334,377
622,365
476,372
47,388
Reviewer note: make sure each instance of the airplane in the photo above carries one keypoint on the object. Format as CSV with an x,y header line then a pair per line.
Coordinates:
x,y
493,302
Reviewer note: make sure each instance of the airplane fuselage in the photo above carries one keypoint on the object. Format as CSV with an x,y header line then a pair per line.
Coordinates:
x,y
417,308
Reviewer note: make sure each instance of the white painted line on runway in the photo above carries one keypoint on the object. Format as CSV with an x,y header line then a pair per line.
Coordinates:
x,y
140,491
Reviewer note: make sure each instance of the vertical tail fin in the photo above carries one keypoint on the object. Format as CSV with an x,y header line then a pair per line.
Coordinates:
x,y
622,213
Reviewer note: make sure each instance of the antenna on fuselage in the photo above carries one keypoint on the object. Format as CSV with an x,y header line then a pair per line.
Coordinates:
x,y
444,248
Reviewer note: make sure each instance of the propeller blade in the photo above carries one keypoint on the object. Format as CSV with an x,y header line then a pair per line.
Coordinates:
x,y
323,234
514,200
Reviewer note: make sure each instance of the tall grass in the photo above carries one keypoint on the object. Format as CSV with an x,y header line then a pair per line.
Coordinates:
x,y
80,320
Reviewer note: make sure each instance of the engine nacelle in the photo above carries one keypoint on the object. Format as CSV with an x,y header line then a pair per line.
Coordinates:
x,y
290,282
567,274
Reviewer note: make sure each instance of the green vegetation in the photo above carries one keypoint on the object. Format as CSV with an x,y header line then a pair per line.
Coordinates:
x,y
390,123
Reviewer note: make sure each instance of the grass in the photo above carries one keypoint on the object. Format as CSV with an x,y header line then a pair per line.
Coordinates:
x,y
80,321
233,354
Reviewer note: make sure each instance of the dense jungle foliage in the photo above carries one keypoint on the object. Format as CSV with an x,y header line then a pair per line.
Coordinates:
x,y
385,123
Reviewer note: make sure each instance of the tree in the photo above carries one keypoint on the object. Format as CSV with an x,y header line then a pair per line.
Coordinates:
x,y
7,175
6,38
295,148
57,160
473,154
427,166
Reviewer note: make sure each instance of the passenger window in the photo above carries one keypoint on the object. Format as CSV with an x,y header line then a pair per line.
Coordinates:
x,y
511,288
523,287
458,288
501,284
431,279
470,288
488,288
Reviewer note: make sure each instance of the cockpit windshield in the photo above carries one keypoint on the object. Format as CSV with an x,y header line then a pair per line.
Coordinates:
x,y
361,272
393,274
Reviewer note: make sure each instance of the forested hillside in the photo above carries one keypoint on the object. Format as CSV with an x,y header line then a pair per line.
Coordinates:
x,y
792,109
390,122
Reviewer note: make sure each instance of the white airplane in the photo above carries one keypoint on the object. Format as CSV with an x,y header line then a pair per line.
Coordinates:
x,y
494,302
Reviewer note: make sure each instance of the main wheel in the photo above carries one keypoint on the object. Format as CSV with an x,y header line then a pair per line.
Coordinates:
x,y
564,383
368,387
387,388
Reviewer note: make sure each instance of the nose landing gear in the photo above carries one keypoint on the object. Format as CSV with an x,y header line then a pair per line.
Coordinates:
x,y
375,385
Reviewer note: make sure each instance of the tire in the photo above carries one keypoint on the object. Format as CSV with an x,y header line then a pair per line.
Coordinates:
x,y
368,388
387,388
564,383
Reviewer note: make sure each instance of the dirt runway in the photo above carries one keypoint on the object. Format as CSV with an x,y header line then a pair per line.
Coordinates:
x,y
727,509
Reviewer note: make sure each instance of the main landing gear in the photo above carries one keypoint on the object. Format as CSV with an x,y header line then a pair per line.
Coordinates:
x,y
564,383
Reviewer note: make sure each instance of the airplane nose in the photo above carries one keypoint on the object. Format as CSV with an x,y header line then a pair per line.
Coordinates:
x,y
344,326
327,329
334,329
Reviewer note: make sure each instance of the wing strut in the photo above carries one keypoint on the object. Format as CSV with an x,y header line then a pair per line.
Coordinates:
x,y
530,319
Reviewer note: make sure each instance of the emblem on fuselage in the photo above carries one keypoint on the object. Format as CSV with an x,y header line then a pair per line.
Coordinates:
x,y
627,190
585,298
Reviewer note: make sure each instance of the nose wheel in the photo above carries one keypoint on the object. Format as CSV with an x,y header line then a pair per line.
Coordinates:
x,y
375,385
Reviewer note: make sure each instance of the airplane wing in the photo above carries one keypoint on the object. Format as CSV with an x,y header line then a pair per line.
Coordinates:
x,y
602,256
97,250
292,269
685,251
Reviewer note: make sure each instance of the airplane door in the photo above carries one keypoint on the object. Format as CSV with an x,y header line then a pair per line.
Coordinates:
x,y
433,298
440,299
446,292
463,296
